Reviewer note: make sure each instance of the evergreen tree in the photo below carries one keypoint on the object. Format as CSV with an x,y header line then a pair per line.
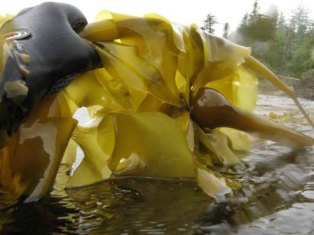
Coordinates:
x,y
209,23
280,45
256,26
300,42
226,30
286,46
255,12
301,22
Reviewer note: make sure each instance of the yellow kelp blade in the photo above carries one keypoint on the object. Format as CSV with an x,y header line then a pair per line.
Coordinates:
x,y
105,28
11,187
150,144
100,31
263,71
5,18
221,59
29,163
107,92
211,184
123,63
69,156
216,144
94,166
52,134
134,55
239,87
33,163
239,140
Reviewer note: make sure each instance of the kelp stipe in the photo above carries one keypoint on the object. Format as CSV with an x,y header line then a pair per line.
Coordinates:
x,y
266,73
211,110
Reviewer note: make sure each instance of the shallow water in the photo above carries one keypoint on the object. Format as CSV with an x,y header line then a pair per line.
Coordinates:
x,y
277,197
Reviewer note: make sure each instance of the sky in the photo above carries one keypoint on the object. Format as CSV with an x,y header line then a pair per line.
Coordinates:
x,y
179,11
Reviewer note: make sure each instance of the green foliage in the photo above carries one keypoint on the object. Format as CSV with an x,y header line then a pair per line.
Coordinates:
x,y
257,27
286,46
261,28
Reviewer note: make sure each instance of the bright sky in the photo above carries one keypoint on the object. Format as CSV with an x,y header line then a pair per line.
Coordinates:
x,y
180,11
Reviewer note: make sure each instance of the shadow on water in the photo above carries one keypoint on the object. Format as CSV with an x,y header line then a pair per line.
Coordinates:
x,y
48,216
277,197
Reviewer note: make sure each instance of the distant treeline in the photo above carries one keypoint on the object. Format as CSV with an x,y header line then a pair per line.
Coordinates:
x,y
285,45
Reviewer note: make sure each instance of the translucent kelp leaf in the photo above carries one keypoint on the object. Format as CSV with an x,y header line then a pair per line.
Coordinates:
x,y
239,140
221,50
39,146
107,92
211,184
123,62
217,144
5,18
239,87
150,103
183,86
244,85
11,186
143,41
93,167
221,59
153,143
45,156
69,156
191,58
186,124
29,163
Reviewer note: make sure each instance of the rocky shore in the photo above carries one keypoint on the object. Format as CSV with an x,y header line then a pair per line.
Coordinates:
x,y
303,87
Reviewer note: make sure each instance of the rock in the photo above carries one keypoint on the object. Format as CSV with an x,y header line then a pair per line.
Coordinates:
x,y
305,86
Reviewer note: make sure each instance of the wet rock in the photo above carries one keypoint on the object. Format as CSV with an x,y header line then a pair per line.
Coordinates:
x,y
305,86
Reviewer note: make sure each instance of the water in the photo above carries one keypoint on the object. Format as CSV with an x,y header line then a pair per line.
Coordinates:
x,y
277,197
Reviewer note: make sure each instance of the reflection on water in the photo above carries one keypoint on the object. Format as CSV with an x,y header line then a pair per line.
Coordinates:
x,y
277,197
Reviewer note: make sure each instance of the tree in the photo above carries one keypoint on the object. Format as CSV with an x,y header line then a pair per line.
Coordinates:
x,y
209,23
286,46
256,26
255,12
300,39
279,46
300,22
226,30
258,31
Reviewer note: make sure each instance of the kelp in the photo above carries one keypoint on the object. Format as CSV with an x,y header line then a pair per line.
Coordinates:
x,y
146,114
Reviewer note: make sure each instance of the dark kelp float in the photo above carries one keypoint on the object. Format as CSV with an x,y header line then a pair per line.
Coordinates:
x,y
166,101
